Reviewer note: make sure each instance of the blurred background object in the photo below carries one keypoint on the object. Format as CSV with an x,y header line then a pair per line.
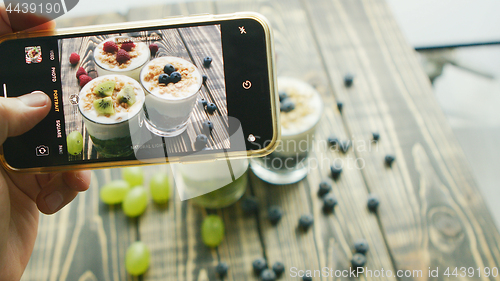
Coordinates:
x,y
459,46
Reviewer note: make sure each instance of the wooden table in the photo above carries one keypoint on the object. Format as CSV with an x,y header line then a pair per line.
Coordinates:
x,y
431,213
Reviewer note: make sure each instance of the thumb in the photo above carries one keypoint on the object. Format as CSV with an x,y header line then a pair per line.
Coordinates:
x,y
19,115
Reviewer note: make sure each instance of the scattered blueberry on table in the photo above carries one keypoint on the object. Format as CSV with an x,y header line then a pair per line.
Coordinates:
x,y
222,269
259,265
282,96
207,61
205,78
358,260
203,102
207,127
333,140
335,172
201,142
250,205
305,222
340,106
307,278
329,203
348,79
389,159
361,246
211,107
376,136
324,188
268,275
274,214
344,146
373,202
278,268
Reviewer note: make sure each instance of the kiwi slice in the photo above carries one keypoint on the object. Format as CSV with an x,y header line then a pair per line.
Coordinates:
x,y
126,95
105,89
104,106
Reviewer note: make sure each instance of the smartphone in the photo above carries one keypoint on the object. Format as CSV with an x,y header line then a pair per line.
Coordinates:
x,y
176,90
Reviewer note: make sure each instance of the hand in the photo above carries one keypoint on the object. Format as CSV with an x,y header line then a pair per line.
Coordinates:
x,y
21,194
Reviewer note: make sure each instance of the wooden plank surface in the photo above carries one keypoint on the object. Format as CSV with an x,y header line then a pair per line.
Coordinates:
x,y
431,212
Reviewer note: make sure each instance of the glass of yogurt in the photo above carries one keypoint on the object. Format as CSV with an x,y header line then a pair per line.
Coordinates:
x,y
111,106
169,103
214,184
108,61
301,107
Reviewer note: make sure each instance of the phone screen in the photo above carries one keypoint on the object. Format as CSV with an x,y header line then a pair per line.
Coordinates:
x,y
142,93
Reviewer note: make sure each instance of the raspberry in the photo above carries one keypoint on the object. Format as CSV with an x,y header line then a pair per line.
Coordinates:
x,y
80,71
74,58
110,47
153,48
122,56
127,46
84,79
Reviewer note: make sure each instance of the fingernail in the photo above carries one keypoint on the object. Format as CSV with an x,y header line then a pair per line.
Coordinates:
x,y
35,99
54,200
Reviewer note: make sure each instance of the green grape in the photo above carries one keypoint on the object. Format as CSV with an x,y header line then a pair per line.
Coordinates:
x,y
135,202
212,230
133,175
74,141
137,258
114,191
160,188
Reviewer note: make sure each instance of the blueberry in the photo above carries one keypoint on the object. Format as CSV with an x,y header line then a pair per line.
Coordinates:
x,y
207,127
278,268
268,275
203,102
259,265
344,146
204,77
324,188
358,260
340,105
175,77
348,79
207,61
329,203
333,140
283,96
305,222
164,79
306,278
376,136
373,202
389,159
201,142
335,172
250,205
211,107
361,246
287,105
274,214
168,69
222,269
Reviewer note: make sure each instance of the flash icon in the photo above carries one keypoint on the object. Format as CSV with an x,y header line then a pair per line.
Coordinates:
x,y
242,30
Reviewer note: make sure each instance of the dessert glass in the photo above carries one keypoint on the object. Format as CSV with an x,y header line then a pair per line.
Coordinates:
x,y
111,135
168,107
106,63
211,185
288,163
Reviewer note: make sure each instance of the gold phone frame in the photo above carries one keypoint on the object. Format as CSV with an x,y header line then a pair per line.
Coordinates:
x,y
166,22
